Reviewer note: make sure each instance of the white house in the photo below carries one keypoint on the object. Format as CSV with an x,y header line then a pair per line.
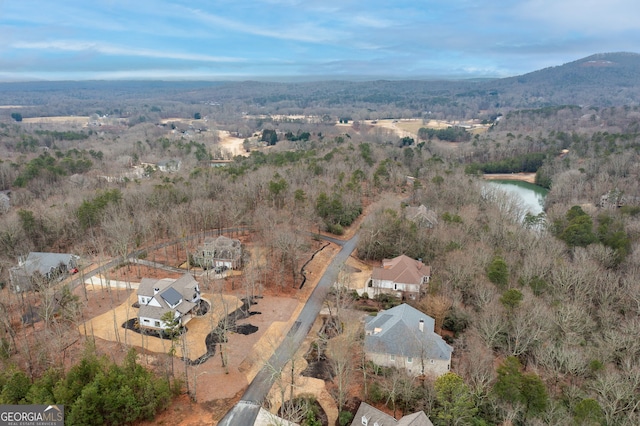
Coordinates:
x,y
157,297
401,276
403,337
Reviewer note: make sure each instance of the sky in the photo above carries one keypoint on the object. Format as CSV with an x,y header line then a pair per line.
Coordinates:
x,y
305,39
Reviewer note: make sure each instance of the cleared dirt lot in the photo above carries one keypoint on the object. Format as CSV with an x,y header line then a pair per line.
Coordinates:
x,y
108,326
217,387
232,144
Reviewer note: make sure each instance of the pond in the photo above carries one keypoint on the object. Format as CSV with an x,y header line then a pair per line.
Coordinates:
x,y
532,195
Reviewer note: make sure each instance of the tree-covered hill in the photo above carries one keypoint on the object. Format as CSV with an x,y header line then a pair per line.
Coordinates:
x,y
601,80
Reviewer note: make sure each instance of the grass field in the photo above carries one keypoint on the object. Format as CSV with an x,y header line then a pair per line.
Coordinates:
x,y
60,119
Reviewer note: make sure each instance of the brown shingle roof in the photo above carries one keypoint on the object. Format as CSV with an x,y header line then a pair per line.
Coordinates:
x,y
401,269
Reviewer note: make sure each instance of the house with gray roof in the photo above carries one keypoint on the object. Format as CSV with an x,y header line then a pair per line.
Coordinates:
x,y
401,276
421,216
371,416
172,165
157,297
219,252
39,268
403,337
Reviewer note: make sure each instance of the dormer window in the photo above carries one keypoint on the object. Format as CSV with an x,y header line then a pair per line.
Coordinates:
x,y
365,421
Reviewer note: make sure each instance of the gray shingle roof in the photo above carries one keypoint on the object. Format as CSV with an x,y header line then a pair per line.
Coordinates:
x,y
147,286
398,333
373,415
45,262
169,293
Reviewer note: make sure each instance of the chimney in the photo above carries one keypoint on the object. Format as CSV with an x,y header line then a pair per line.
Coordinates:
x,y
157,290
421,326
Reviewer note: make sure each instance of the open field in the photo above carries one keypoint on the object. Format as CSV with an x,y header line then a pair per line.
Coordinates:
x,y
57,120
188,121
232,144
525,177
410,127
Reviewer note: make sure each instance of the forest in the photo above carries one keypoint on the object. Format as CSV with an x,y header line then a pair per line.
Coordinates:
x,y
543,317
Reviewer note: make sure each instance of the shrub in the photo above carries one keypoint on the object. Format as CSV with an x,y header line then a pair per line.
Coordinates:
x,y
345,418
498,272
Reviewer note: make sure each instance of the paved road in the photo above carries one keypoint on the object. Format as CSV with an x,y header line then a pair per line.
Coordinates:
x,y
244,413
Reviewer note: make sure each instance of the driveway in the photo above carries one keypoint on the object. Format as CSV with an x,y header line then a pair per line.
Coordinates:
x,y
246,411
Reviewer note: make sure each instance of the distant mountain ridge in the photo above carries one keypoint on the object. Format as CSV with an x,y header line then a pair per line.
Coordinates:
x,y
603,79
600,80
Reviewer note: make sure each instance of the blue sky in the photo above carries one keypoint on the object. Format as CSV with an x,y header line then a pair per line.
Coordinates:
x,y
221,39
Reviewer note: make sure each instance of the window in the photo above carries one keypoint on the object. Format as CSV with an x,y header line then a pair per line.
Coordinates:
x,y
431,361
409,360
145,320
392,358
395,286
157,323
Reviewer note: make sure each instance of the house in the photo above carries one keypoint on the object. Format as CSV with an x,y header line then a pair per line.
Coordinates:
x,y
421,216
219,252
401,276
168,165
38,268
370,416
404,337
157,297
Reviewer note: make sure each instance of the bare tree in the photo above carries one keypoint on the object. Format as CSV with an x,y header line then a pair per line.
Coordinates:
x,y
341,358
437,306
120,230
527,327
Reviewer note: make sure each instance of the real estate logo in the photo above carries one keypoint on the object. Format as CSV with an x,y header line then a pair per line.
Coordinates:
x,y
32,415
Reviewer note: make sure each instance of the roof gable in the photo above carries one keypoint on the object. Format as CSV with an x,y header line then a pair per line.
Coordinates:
x,y
398,331
421,214
168,293
373,415
401,269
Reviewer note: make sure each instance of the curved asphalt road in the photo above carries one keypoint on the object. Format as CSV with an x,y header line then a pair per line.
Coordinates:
x,y
244,413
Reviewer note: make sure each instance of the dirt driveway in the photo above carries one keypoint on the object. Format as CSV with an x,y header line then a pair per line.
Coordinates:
x,y
108,326
271,315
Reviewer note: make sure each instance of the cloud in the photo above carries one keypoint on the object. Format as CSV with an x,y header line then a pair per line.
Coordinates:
x,y
108,49
588,16
372,21
293,37
307,32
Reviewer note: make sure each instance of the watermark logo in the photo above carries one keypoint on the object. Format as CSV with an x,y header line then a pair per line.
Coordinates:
x,y
32,415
